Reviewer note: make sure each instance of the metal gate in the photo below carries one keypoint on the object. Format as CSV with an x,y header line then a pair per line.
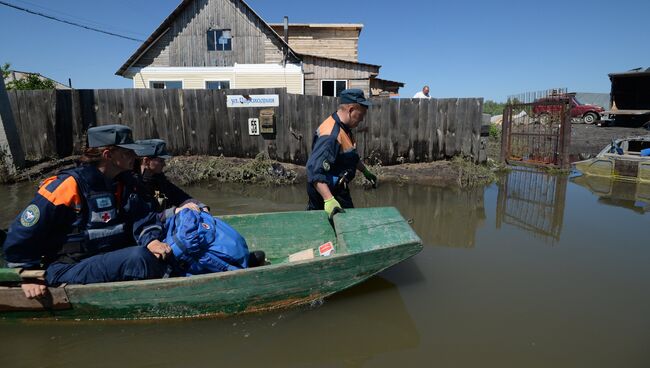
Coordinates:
x,y
537,129
533,201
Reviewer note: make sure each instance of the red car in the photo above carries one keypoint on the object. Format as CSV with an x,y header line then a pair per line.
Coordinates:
x,y
588,113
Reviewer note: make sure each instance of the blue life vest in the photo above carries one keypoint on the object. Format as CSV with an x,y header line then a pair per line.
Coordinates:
x,y
202,243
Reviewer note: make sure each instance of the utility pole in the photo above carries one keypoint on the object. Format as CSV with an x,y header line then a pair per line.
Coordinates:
x,y
11,151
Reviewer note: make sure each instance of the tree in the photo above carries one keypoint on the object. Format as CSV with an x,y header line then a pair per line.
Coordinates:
x,y
5,70
31,81
493,108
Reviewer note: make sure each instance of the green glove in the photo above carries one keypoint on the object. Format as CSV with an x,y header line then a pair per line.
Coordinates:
x,y
330,205
372,178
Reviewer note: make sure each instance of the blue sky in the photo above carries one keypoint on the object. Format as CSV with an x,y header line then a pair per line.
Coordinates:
x,y
489,49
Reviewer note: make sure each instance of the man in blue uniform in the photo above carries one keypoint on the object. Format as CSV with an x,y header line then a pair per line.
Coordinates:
x,y
163,194
334,158
89,224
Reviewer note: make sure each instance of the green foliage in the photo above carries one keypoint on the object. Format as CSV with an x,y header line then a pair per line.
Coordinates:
x,y
493,108
495,131
5,70
31,81
472,175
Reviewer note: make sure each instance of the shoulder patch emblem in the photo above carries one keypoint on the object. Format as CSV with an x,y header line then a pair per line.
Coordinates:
x,y
205,226
30,216
326,165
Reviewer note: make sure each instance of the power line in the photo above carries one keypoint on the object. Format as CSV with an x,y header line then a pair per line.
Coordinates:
x,y
76,18
68,22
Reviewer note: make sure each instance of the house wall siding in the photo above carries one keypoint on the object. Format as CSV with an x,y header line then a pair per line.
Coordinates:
x,y
244,78
318,69
185,43
338,43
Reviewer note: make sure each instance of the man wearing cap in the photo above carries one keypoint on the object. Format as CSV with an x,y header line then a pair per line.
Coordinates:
x,y
89,224
334,158
164,195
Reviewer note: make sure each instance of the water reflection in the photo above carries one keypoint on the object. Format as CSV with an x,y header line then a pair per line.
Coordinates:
x,y
347,330
533,201
630,195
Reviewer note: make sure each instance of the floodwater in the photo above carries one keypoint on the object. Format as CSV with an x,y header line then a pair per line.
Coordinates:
x,y
538,271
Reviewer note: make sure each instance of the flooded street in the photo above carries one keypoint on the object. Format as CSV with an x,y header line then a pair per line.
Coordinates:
x,y
537,271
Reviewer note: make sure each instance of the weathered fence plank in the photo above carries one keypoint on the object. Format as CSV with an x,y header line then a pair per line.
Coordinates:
x,y
53,124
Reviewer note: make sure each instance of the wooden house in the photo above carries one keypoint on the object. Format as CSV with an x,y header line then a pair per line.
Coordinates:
x,y
221,44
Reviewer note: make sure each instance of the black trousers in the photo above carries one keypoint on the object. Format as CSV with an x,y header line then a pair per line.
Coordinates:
x,y
316,200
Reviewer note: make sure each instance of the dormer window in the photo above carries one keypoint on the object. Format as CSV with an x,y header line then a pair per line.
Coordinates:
x,y
219,40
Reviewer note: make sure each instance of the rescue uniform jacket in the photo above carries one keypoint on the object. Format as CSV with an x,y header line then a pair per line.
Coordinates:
x,y
163,194
79,213
334,153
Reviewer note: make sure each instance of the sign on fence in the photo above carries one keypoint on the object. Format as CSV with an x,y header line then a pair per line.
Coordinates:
x,y
253,126
253,100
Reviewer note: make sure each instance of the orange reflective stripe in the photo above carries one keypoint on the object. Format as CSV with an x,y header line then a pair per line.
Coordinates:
x,y
347,144
326,127
66,193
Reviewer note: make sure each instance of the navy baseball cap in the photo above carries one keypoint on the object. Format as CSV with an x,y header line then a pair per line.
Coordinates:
x,y
354,95
153,148
111,135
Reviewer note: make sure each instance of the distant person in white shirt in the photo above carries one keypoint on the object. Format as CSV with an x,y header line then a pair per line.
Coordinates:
x,y
423,94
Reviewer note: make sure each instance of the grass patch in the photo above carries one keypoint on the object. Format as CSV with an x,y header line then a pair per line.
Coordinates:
x,y
471,174
188,170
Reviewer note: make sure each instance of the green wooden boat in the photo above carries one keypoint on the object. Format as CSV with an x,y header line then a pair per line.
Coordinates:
x,y
365,241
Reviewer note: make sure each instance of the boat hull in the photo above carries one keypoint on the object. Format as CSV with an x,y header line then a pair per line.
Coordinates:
x,y
388,241
617,167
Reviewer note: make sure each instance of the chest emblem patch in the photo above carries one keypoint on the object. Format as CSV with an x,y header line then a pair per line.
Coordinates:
x,y
104,202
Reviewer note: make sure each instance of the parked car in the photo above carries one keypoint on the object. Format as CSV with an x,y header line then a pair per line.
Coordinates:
x,y
589,114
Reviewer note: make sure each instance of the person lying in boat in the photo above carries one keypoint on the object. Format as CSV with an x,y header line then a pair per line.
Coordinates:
x,y
89,224
200,243
163,194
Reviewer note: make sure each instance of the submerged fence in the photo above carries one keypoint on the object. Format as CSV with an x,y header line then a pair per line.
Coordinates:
x,y
52,123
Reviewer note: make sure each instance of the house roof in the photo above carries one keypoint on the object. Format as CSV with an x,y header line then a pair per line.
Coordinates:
x,y
17,74
340,60
321,25
162,28
400,84
631,73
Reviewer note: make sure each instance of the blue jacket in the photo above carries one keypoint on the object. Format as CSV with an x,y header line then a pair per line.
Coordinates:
x,y
202,243
80,213
334,152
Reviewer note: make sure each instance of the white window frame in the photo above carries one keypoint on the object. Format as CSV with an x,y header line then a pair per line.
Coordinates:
x,y
205,82
150,81
332,80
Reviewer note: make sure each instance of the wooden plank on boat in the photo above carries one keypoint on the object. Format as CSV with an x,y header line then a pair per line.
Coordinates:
x,y
13,299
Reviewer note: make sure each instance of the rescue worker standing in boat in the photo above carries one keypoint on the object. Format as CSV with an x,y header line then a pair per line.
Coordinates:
x,y
89,224
334,158
164,195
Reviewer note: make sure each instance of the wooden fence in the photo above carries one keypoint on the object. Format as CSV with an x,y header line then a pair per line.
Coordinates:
x,y
52,123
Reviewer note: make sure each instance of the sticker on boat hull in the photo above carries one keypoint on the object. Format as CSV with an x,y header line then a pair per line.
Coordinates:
x,y
326,249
